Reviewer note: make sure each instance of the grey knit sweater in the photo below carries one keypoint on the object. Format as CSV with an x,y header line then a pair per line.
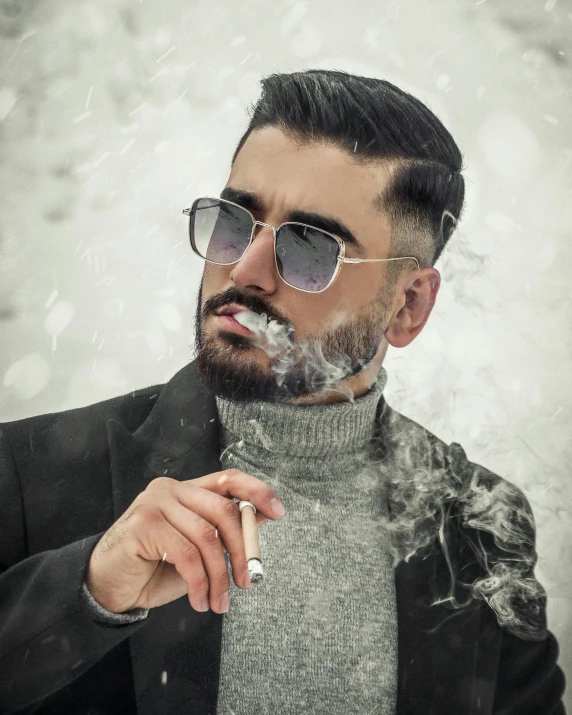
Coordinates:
x,y
319,634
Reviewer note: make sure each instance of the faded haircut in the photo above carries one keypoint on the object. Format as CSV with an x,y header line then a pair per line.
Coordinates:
x,y
376,122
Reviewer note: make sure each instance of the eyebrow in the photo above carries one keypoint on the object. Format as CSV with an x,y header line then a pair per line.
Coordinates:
x,y
252,202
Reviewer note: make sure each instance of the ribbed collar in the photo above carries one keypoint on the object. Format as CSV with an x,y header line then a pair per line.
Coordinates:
x,y
303,430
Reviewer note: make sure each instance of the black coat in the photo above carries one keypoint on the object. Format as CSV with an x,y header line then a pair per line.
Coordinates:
x,y
65,478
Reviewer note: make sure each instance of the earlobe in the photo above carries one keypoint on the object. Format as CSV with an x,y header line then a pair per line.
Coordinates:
x,y
397,336
410,319
398,331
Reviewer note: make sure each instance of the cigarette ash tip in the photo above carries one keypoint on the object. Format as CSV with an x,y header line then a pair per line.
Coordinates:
x,y
255,570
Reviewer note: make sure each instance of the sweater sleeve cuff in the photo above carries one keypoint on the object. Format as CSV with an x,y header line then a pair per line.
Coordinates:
x,y
102,615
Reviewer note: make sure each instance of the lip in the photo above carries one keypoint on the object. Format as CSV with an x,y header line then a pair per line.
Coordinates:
x,y
230,309
229,323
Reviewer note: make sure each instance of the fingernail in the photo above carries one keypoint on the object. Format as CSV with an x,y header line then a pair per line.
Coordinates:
x,y
247,580
224,602
277,507
205,604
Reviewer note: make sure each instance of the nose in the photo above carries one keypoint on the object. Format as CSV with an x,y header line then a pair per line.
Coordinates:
x,y
256,271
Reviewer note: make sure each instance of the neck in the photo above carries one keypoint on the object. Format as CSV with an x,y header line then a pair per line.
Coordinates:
x,y
359,384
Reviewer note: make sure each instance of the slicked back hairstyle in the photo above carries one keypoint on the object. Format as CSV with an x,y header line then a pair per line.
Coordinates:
x,y
376,122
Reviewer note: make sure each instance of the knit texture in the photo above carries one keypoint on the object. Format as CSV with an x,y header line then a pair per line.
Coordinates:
x,y
319,634
107,618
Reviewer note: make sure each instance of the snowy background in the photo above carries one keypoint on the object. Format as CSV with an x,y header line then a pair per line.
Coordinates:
x,y
114,117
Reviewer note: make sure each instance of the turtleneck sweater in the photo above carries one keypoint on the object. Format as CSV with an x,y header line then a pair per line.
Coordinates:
x,y
319,633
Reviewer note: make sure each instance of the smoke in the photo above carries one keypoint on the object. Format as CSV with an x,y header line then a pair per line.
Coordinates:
x,y
285,354
436,494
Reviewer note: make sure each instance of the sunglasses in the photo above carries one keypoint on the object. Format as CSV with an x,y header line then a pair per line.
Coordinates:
x,y
307,258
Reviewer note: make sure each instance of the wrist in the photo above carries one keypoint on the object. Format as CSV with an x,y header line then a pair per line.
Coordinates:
x,y
105,617
101,596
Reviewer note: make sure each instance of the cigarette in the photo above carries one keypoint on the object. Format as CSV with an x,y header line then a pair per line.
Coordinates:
x,y
251,542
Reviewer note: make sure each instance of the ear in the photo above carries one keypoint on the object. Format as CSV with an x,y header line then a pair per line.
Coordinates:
x,y
414,303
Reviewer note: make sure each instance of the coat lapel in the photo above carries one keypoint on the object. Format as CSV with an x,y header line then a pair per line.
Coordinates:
x,y
176,655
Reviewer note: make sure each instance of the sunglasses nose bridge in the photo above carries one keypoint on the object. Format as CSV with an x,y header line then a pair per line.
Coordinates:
x,y
261,223
253,236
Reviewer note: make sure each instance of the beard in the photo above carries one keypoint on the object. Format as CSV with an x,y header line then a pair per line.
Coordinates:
x,y
229,368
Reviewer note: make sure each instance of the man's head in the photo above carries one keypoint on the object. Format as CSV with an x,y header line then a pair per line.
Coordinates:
x,y
377,161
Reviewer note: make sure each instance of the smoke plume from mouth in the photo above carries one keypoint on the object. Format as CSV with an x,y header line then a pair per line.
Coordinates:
x,y
295,368
277,342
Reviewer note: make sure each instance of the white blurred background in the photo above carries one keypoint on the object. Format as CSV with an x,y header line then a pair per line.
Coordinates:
x,y
114,117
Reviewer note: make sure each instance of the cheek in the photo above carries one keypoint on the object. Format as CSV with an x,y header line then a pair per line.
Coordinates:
x,y
339,318
215,278
361,283
322,312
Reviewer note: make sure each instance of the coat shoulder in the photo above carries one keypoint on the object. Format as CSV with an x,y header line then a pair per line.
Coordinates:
x,y
81,426
427,451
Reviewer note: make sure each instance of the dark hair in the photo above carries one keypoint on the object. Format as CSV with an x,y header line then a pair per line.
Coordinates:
x,y
375,121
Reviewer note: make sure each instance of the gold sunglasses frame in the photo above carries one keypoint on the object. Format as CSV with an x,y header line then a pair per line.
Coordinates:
x,y
340,259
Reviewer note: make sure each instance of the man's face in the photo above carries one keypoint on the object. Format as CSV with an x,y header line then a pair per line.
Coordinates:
x,y
345,323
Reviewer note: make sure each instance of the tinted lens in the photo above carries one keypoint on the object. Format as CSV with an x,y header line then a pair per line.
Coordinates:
x,y
220,232
306,257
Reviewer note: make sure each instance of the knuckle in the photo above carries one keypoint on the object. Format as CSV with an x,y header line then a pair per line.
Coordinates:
x,y
145,515
229,508
208,535
162,483
191,554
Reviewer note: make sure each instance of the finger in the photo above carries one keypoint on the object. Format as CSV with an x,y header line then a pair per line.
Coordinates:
x,y
224,515
157,539
202,533
236,483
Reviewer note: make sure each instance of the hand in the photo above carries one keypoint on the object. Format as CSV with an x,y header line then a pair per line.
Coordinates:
x,y
172,541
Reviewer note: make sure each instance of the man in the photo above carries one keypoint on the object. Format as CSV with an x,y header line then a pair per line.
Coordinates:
x,y
401,579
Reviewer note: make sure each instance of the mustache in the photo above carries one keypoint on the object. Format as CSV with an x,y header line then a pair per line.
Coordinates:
x,y
250,302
